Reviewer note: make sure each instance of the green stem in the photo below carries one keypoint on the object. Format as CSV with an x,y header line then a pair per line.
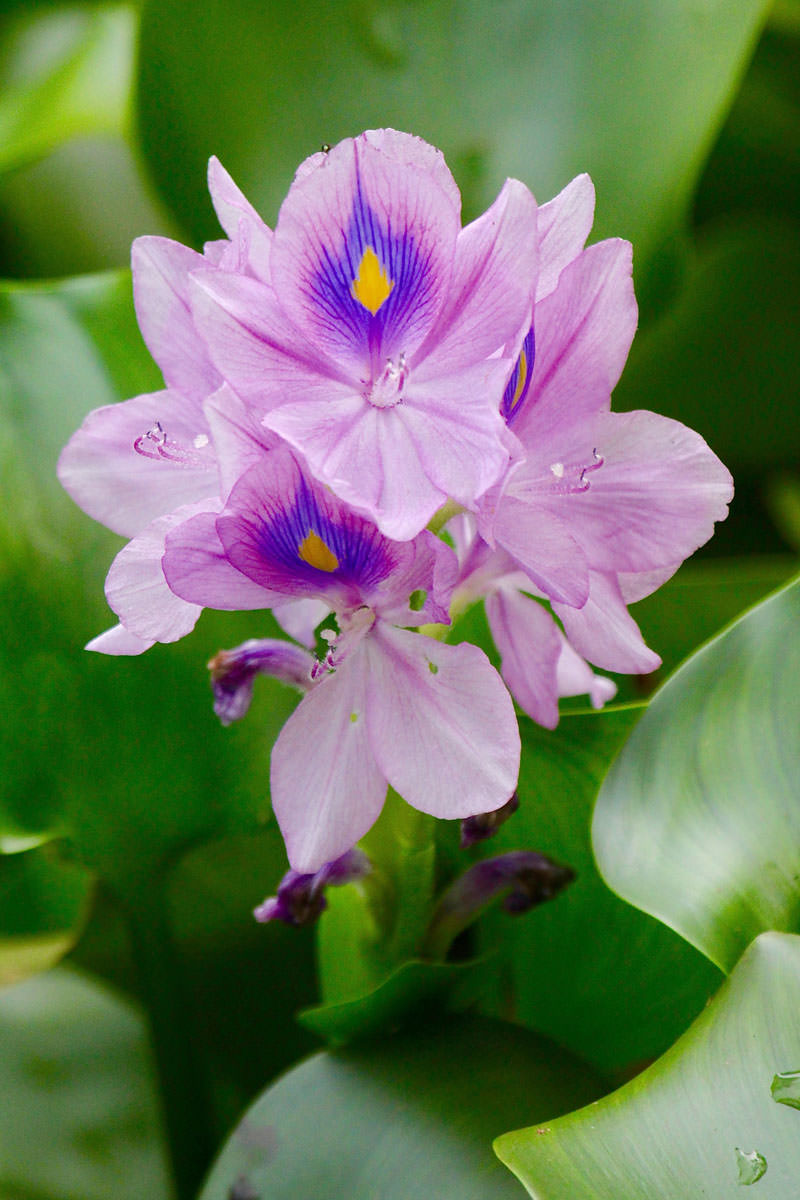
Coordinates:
x,y
184,1093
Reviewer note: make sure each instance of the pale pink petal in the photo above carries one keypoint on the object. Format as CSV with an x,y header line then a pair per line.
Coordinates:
x,y
576,678
604,631
259,352
544,547
161,271
232,208
441,723
299,618
240,437
583,333
491,291
380,195
366,456
327,790
529,644
118,640
643,583
655,498
137,591
564,225
197,568
126,488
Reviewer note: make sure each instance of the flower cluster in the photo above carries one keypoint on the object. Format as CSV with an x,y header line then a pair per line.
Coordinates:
x,y
372,418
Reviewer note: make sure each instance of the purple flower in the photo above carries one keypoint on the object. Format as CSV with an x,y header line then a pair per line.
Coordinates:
x,y
386,705
381,342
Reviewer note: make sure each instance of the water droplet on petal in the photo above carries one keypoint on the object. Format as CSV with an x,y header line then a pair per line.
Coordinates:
x,y
785,1088
752,1165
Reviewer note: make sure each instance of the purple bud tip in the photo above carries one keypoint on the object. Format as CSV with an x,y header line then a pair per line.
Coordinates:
x,y
521,879
233,673
485,825
300,899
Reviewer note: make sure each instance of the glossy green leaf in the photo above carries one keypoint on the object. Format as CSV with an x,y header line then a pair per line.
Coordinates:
x,y
412,1116
80,1118
698,1121
43,904
64,74
631,92
556,964
698,821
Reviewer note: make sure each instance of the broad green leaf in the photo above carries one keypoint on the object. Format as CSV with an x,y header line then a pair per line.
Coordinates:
x,y
43,904
698,1122
698,822
84,88
412,1116
593,973
631,92
80,1119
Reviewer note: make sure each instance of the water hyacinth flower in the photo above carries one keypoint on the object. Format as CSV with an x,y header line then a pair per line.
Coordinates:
x,y
382,341
386,705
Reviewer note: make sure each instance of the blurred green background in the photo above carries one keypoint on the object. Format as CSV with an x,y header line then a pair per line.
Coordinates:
x,y
119,791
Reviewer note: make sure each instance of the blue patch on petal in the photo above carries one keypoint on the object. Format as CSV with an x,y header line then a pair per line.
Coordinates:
x,y
385,267
519,384
312,543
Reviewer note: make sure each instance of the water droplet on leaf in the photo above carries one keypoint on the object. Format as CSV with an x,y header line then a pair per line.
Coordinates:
x,y
751,1165
785,1088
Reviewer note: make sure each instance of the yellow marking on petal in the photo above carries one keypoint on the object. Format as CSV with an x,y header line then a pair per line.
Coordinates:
x,y
522,378
372,285
313,551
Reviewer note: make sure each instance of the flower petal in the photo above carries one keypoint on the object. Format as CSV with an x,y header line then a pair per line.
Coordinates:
x,y
138,592
125,489
490,294
264,358
327,789
564,225
118,640
656,497
441,724
529,644
576,678
197,568
239,219
161,270
542,544
604,631
364,244
583,333
240,437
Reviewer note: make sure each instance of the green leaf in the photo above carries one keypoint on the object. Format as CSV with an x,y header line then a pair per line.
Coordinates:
x,y
698,1121
84,88
413,1116
80,1118
698,822
414,991
631,92
43,904
556,963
